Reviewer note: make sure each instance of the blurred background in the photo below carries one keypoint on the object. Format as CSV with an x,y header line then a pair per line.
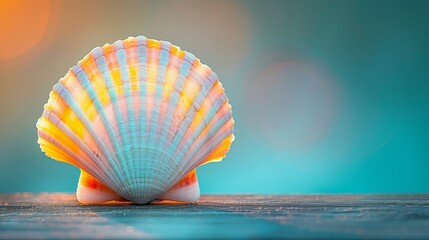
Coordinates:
x,y
328,96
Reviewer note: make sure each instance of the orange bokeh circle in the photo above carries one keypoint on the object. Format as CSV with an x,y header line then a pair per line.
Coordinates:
x,y
22,26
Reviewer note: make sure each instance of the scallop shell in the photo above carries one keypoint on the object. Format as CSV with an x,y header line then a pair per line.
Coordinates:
x,y
137,117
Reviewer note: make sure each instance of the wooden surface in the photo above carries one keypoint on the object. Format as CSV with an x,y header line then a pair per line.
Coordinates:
x,y
228,216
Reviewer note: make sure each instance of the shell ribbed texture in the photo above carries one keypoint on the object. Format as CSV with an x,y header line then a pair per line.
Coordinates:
x,y
138,115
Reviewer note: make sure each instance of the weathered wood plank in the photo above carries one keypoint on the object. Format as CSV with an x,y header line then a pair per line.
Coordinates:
x,y
224,216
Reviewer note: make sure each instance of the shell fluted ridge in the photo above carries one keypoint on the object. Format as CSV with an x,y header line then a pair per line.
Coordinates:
x,y
138,115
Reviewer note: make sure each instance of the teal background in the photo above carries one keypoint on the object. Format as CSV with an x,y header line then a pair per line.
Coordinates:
x,y
328,96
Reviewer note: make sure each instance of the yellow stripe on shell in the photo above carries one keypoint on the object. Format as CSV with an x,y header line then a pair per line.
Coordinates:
x,y
130,46
220,151
206,106
112,64
80,96
89,66
174,50
134,80
152,43
54,152
66,114
51,129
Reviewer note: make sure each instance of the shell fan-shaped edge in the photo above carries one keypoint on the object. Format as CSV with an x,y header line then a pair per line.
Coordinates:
x,y
138,116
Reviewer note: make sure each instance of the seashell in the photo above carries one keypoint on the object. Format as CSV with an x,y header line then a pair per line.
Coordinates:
x,y
137,117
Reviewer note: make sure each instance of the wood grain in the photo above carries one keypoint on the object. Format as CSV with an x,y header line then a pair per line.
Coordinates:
x,y
31,216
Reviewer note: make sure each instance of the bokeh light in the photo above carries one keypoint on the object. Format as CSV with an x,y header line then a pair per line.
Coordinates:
x,y
291,104
218,32
22,26
327,96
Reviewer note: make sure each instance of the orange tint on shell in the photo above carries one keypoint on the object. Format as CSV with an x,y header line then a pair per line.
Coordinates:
x,y
187,180
89,181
